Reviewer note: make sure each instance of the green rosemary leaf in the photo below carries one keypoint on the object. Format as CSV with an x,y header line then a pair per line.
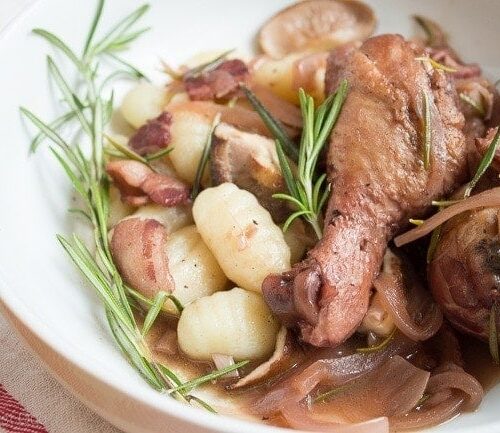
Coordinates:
x,y
93,26
159,154
71,99
204,158
121,43
316,193
202,403
274,125
54,137
308,189
81,212
286,170
436,234
125,150
427,131
324,197
291,199
108,109
208,66
133,356
59,44
332,393
150,302
54,125
333,111
416,222
153,312
77,183
294,216
493,338
478,107
169,374
129,69
214,375
118,30
380,346
435,64
484,164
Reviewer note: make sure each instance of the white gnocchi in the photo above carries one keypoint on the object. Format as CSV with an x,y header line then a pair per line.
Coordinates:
x,y
189,132
236,323
241,235
172,218
144,102
193,267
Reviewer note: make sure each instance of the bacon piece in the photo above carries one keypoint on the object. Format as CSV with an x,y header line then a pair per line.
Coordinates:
x,y
138,184
218,83
153,136
138,249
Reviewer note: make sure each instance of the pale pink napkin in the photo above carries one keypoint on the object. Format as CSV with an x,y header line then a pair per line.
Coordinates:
x,y
32,401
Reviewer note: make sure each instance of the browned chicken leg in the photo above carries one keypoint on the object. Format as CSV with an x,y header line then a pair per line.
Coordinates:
x,y
378,179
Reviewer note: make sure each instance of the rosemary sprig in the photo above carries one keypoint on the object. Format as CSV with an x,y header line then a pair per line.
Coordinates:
x,y
87,175
195,383
150,302
484,164
208,66
204,158
274,125
427,131
332,393
493,338
307,191
154,311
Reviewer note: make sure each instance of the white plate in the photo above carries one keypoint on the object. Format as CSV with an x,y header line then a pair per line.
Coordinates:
x,y
40,288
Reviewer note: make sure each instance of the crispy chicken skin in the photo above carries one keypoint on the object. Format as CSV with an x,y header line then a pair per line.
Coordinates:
x,y
378,181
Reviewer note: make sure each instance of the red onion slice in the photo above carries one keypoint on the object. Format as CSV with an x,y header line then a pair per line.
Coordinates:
x,y
427,318
487,198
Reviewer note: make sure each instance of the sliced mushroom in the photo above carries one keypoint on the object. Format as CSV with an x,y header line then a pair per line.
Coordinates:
x,y
250,162
285,354
316,25
138,249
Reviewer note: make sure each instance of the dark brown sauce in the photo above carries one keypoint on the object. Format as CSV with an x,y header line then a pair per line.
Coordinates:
x,y
476,356
478,362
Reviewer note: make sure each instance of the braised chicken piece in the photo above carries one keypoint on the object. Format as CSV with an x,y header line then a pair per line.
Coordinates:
x,y
464,274
378,180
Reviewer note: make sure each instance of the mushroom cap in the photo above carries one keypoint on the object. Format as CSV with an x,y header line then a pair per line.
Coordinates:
x,y
316,25
250,162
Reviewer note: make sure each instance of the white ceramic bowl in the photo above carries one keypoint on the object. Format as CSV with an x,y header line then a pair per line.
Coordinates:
x,y
41,291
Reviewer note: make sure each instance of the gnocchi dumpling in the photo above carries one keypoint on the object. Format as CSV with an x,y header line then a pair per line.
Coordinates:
x,y
117,208
144,102
172,218
193,267
189,132
236,323
241,235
